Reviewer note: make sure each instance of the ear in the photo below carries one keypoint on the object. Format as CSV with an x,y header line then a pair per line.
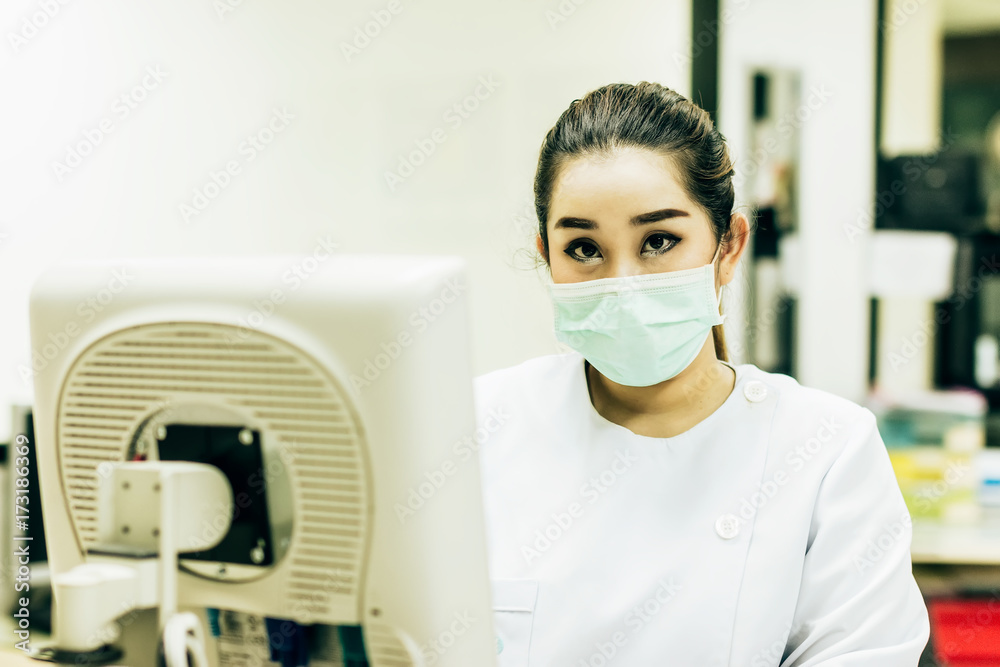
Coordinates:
x,y
735,243
541,247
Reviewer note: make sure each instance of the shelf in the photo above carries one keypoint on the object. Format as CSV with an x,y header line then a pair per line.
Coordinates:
x,y
965,544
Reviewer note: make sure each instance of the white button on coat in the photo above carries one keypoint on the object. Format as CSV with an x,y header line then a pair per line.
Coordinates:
x,y
755,391
727,526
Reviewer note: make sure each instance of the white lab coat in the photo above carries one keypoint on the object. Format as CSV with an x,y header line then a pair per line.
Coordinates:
x,y
772,532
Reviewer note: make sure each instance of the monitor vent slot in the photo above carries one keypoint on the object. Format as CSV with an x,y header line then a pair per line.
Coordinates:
x,y
386,648
125,377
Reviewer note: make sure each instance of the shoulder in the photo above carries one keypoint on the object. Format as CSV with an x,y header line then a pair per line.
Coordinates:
x,y
528,400
537,375
797,398
803,414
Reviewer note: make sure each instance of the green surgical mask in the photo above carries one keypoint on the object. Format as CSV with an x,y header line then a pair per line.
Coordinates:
x,y
638,330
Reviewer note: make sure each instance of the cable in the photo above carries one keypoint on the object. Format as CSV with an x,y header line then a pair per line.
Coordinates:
x,y
183,639
213,621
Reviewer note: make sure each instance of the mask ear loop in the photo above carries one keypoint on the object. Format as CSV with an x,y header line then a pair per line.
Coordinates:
x,y
718,296
716,255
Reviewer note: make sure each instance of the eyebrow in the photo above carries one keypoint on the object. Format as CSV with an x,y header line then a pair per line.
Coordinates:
x,y
641,219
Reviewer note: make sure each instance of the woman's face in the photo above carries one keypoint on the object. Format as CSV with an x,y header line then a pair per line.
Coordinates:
x,y
623,215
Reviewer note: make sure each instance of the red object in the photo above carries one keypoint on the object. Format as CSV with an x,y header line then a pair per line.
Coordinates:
x,y
966,632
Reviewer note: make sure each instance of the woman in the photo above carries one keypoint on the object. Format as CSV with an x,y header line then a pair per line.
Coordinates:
x,y
647,502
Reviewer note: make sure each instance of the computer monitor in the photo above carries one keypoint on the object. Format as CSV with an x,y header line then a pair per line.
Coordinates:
x,y
329,391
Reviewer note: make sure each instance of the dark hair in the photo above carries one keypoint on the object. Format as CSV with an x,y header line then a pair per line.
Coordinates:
x,y
645,115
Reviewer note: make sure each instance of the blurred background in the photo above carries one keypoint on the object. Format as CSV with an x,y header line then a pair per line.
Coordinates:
x,y
866,136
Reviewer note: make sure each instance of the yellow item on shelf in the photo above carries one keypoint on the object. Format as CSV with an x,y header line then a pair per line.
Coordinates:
x,y
936,483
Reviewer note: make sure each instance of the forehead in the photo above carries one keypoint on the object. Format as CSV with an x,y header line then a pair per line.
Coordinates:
x,y
627,177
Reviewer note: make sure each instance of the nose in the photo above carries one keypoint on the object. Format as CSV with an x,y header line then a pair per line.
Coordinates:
x,y
622,267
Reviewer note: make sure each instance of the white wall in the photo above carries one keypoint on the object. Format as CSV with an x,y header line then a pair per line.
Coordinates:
x,y
832,44
323,174
911,85
970,17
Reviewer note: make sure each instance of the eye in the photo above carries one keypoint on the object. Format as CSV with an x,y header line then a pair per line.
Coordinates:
x,y
659,243
582,250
